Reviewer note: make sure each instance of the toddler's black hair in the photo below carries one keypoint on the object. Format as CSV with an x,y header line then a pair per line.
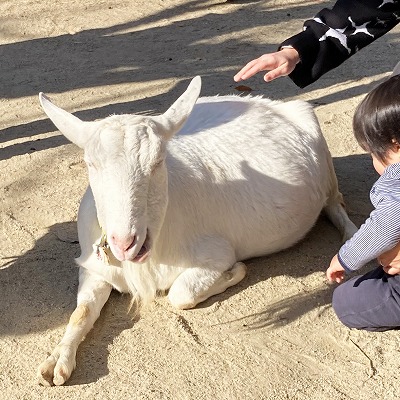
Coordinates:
x,y
376,122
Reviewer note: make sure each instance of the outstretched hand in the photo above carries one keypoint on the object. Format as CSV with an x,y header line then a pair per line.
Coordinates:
x,y
280,63
335,272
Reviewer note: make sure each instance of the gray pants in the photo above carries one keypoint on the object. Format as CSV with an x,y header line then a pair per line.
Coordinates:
x,y
370,301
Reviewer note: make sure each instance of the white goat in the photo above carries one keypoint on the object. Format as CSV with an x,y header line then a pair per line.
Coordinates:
x,y
245,177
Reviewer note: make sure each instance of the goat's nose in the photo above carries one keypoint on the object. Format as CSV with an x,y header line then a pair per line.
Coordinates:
x,y
123,243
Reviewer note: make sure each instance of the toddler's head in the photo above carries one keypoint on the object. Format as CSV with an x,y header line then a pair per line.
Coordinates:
x,y
376,122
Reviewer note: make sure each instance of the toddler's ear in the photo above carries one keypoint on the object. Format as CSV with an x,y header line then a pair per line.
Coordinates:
x,y
396,146
396,152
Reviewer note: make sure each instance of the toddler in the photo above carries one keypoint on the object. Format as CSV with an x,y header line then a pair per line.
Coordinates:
x,y
372,301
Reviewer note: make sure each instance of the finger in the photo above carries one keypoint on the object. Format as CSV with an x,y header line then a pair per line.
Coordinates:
x,y
329,275
282,70
270,76
391,270
388,270
252,70
243,73
333,278
385,268
263,63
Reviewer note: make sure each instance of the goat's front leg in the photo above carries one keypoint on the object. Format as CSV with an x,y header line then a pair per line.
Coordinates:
x,y
197,284
93,293
214,270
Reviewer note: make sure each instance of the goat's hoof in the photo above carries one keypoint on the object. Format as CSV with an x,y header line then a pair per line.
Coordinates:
x,y
48,377
236,273
53,372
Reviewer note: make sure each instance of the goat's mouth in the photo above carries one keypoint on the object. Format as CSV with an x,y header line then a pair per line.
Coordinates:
x,y
144,251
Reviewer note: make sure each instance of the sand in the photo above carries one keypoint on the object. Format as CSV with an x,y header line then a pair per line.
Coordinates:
x,y
273,336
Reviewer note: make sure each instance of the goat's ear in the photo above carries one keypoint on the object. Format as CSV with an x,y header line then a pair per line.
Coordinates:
x,y
173,119
71,127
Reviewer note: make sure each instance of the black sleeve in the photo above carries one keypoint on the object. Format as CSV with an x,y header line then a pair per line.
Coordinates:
x,y
334,35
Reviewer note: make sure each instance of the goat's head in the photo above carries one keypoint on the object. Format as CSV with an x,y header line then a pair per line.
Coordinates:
x,y
125,155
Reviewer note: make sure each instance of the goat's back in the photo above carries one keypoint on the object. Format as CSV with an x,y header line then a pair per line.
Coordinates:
x,y
251,170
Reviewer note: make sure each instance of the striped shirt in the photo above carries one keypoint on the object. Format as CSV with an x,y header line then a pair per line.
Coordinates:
x,y
381,231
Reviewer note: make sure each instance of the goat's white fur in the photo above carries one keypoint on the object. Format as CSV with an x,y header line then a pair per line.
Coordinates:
x,y
245,177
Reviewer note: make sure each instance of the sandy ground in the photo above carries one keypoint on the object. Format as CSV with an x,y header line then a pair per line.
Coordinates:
x,y
274,336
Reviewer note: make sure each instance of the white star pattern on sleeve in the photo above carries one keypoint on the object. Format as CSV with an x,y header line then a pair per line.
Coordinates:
x,y
386,2
335,33
360,29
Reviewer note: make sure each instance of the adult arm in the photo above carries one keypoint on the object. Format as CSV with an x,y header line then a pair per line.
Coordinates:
x,y
327,40
334,35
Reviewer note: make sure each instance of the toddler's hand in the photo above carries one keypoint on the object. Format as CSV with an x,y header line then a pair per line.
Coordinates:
x,y
391,258
280,63
391,270
335,272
